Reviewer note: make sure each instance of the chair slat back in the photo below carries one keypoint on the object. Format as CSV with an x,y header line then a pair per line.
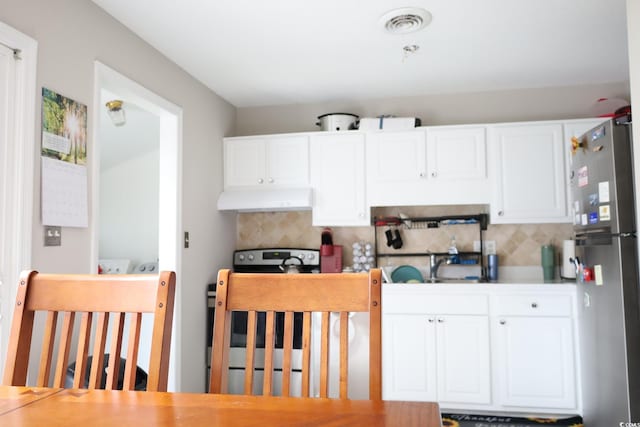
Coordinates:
x,y
99,302
303,293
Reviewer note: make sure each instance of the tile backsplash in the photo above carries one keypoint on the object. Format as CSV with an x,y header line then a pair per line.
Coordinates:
x,y
516,244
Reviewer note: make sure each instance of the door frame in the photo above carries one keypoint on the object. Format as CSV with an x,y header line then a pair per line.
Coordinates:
x,y
18,209
170,180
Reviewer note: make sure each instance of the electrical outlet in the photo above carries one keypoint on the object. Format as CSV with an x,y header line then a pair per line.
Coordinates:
x,y
52,235
488,249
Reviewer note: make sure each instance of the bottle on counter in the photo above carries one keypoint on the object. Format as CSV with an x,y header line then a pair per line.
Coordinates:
x,y
492,261
454,258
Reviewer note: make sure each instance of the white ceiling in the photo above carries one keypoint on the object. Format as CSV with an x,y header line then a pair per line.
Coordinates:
x,y
256,52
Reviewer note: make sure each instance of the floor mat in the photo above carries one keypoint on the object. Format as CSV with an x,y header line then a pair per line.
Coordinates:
x,y
470,420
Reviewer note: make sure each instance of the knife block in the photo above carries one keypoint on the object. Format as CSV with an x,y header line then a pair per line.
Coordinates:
x,y
332,263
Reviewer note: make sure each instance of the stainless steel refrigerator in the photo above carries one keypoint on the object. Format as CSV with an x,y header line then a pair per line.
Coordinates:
x,y
606,259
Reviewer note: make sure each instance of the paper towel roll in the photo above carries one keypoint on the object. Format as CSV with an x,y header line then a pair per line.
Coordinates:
x,y
568,252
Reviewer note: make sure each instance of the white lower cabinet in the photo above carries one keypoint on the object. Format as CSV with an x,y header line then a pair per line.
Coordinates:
x,y
464,367
409,357
506,348
437,357
534,351
435,346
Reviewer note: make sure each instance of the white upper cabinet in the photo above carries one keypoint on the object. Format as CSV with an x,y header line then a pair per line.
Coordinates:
x,y
338,179
396,168
427,166
519,169
528,167
277,161
457,154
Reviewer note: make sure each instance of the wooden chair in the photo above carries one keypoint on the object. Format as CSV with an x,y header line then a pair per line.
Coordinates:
x,y
289,293
105,297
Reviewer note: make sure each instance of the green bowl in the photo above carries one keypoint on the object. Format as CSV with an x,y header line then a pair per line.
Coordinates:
x,y
406,274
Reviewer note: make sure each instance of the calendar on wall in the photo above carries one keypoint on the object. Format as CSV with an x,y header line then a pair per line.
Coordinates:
x,y
64,189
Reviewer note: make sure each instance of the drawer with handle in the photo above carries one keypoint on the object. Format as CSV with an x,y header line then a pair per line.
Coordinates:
x,y
531,305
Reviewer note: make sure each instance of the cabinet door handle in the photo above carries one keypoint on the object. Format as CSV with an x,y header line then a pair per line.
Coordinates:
x,y
500,213
440,320
502,321
534,305
260,181
421,174
270,180
430,319
434,174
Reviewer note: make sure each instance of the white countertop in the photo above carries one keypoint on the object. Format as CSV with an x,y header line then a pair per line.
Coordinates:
x,y
528,275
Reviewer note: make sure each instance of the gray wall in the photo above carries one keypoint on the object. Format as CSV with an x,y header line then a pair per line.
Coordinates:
x,y
71,35
486,107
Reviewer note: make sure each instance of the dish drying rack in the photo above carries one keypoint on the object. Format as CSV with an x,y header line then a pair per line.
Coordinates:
x,y
414,223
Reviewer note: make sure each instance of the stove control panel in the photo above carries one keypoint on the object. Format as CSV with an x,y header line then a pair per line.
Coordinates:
x,y
274,257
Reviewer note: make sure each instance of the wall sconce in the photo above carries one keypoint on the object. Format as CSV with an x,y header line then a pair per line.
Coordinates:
x,y
116,112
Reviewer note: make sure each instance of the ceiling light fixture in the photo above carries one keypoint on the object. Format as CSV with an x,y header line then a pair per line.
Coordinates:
x,y
411,48
405,20
116,113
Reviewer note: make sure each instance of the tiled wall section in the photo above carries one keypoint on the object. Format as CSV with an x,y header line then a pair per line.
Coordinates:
x,y
517,245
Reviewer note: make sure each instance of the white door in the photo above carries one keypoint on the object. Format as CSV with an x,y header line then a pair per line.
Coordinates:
x,y
396,167
530,183
457,153
244,161
409,357
464,368
17,148
535,362
288,161
457,165
7,204
338,180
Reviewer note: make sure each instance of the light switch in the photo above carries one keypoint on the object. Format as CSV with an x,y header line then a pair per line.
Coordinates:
x,y
52,235
586,300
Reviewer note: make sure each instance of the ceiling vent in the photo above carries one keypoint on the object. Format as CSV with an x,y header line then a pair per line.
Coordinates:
x,y
405,20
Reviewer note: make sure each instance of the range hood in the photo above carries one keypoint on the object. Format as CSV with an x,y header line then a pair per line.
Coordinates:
x,y
285,199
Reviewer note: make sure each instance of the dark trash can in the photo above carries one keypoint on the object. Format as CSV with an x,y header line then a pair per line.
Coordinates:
x,y
141,375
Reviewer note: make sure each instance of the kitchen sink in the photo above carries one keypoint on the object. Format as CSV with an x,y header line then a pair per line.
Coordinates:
x,y
454,280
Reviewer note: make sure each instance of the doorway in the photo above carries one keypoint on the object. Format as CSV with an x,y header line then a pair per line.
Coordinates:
x,y
17,147
164,120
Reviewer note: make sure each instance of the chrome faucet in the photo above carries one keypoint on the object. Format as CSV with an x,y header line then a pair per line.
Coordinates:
x,y
433,270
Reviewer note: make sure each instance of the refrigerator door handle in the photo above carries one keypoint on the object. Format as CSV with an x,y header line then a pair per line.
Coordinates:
x,y
591,239
630,234
600,238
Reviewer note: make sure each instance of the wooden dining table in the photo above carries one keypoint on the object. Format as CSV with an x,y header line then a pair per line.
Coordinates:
x,y
32,406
